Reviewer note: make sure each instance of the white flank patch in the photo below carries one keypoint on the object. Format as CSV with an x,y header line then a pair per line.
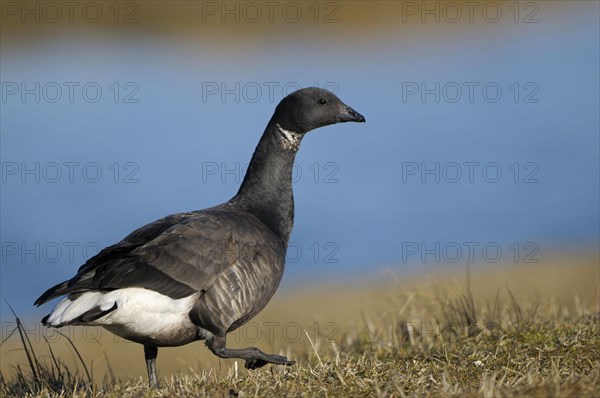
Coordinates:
x,y
141,310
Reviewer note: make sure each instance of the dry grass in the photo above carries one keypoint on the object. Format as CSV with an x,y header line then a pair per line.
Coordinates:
x,y
521,331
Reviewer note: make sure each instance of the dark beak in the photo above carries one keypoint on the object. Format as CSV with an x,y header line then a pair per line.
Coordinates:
x,y
350,115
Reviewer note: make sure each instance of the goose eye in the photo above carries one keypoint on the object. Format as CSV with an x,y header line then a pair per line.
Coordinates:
x,y
322,101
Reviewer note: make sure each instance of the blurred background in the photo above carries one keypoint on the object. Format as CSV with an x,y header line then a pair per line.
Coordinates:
x,y
481,144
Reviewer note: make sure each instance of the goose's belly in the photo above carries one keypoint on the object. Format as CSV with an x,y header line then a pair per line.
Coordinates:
x,y
238,294
169,335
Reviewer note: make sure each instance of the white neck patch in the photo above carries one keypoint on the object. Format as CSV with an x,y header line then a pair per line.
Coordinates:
x,y
292,139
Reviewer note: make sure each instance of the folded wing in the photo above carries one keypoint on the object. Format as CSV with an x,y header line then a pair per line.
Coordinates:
x,y
176,256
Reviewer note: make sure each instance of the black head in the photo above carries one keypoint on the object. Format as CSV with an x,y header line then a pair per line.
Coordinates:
x,y
311,108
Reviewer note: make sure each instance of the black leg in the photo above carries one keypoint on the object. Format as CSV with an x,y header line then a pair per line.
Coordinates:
x,y
151,352
254,357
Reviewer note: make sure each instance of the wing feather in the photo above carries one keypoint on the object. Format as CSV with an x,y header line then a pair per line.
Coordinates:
x,y
176,256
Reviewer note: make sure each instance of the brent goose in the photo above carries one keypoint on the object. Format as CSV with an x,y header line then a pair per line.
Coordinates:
x,y
199,275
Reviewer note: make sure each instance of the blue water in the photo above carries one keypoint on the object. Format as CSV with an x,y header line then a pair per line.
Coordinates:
x,y
364,198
